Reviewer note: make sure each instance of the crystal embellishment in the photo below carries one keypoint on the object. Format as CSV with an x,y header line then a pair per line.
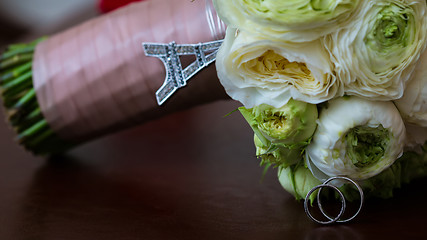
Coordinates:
x,y
176,77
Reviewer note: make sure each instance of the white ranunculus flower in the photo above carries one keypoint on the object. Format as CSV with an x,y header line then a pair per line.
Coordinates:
x,y
291,20
413,104
375,55
356,138
255,70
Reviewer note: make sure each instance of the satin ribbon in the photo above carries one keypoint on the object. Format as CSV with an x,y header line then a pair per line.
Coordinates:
x,y
94,78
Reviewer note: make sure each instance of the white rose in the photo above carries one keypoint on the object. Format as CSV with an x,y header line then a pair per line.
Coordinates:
x,y
356,138
291,20
255,70
375,56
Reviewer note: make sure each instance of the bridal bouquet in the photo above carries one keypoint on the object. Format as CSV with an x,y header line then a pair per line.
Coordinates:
x,y
331,88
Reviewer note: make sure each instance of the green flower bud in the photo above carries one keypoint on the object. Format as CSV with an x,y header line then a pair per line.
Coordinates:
x,y
277,155
298,181
290,125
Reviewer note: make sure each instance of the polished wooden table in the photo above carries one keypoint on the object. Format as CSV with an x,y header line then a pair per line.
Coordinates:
x,y
189,175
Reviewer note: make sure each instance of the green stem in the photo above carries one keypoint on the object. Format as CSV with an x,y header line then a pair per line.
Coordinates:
x,y
26,99
45,135
19,116
16,46
15,60
25,117
33,131
16,72
19,98
34,43
18,84
17,51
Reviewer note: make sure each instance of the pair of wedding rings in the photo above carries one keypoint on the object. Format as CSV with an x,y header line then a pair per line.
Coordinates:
x,y
338,218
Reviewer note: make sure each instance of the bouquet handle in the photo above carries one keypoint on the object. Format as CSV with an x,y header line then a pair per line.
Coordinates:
x,y
95,78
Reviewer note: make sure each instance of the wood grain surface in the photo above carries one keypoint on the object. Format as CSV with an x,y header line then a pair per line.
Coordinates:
x,y
189,175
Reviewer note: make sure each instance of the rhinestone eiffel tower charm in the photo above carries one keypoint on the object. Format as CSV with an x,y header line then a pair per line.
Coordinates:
x,y
176,77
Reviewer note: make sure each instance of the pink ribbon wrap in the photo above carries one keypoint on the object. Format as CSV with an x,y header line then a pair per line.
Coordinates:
x,y
95,78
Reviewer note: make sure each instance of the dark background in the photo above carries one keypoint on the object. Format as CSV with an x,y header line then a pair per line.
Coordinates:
x,y
189,175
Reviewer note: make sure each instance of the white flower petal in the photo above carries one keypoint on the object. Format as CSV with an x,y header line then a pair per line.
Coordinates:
x,y
328,151
255,70
291,20
376,55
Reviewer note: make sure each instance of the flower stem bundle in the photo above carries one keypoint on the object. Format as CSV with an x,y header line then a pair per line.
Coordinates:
x,y
20,101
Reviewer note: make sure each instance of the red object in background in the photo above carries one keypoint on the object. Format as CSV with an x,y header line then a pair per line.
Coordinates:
x,y
110,5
